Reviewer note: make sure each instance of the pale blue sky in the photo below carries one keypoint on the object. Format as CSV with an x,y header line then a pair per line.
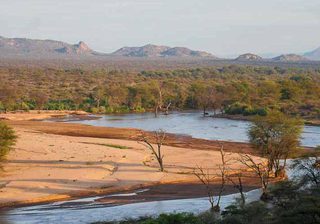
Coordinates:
x,y
222,27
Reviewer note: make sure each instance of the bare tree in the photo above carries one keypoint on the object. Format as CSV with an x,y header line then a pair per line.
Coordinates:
x,y
206,178
310,170
260,168
223,174
238,185
159,137
40,99
160,102
8,96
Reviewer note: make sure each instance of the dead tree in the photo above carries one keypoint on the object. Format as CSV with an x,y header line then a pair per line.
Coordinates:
x,y
167,108
160,93
206,178
159,101
260,168
310,167
238,185
223,175
159,137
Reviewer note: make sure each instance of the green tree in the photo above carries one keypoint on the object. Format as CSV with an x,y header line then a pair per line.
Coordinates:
x,y
7,139
276,136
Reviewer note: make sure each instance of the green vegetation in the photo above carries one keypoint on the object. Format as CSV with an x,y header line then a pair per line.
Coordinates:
x,y
7,139
109,145
117,146
235,90
276,136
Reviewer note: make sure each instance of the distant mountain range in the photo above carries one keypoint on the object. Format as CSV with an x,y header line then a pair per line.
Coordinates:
x,y
51,48
281,58
23,47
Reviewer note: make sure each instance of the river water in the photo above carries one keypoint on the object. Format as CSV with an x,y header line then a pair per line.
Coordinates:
x,y
195,125
91,211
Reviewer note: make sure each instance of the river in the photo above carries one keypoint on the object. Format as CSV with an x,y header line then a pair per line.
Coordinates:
x,y
193,124
91,211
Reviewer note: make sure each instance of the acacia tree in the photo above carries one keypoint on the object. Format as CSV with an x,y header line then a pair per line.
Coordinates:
x,y
8,96
7,139
276,136
40,99
204,95
98,93
158,137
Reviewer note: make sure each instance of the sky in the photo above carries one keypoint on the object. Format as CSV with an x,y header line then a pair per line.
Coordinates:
x,y
222,27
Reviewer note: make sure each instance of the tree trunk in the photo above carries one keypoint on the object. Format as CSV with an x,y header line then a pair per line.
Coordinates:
x,y
156,111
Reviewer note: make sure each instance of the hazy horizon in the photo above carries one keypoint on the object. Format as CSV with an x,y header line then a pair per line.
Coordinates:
x,y
226,28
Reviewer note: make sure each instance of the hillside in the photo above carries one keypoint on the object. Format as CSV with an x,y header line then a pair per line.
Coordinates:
x,y
290,58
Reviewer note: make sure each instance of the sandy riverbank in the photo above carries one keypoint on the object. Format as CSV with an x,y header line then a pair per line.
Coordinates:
x,y
39,114
57,161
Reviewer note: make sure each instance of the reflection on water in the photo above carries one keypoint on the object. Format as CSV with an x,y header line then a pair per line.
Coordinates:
x,y
195,125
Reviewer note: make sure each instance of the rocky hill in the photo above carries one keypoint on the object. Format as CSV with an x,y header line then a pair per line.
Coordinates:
x,y
290,58
159,51
313,55
42,48
249,57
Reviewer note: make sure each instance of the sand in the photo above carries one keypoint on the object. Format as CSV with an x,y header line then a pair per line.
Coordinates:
x,y
37,114
48,166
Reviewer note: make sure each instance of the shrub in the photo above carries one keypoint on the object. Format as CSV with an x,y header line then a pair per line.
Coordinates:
x,y
246,110
7,139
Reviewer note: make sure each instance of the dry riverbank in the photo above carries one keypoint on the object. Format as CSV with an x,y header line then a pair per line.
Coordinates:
x,y
40,115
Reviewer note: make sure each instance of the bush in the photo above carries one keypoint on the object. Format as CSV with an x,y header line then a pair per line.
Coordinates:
x,y
246,110
178,218
117,110
181,218
7,139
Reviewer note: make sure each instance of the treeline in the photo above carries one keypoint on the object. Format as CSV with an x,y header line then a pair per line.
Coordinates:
x,y
245,90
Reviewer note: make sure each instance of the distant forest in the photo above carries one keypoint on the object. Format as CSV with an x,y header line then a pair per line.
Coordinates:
x,y
233,89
